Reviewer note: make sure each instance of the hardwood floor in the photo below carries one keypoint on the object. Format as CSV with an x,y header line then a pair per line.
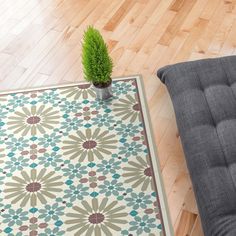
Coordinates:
x,y
40,45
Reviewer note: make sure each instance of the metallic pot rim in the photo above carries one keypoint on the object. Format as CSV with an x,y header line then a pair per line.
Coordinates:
x,y
108,85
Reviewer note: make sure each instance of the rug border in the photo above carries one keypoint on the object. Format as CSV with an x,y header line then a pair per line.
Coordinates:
x,y
149,134
155,161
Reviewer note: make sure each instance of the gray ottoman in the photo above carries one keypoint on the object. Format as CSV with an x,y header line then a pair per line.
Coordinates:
x,y
204,97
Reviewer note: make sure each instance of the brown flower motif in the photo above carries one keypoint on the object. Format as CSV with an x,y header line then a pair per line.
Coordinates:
x,y
90,144
33,120
94,218
34,187
139,173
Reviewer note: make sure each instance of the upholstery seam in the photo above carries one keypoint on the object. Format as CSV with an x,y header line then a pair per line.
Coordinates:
x,y
227,79
235,100
227,165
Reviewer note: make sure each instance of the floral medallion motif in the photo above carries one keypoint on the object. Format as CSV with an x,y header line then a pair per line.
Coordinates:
x,y
128,108
51,212
97,218
89,144
138,201
15,217
17,100
48,97
34,188
142,225
80,91
33,120
139,173
16,163
122,88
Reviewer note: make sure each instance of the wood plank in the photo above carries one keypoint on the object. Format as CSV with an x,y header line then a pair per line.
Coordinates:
x,y
209,9
193,15
176,5
177,195
119,15
221,34
147,10
186,224
230,42
152,40
208,33
190,202
191,40
197,228
127,23
176,23
41,49
160,10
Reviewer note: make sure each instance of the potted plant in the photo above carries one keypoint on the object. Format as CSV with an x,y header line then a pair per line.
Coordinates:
x,y
97,64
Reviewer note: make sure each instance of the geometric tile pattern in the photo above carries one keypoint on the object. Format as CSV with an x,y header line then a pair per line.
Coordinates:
x,y
73,165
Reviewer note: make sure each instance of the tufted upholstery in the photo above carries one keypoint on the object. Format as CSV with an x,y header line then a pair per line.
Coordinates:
x,y
204,97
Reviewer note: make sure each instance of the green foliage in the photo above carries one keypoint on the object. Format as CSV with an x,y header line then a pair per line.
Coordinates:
x,y
95,58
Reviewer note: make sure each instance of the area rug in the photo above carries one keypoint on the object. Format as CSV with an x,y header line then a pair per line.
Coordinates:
x,y
74,165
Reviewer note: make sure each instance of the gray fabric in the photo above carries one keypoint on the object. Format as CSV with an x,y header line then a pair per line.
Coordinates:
x,y
204,97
